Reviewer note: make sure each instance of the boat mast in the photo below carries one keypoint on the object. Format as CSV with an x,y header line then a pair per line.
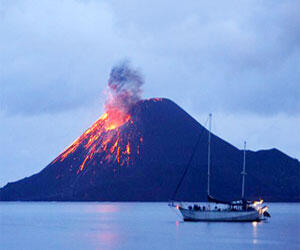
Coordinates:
x,y
244,172
208,156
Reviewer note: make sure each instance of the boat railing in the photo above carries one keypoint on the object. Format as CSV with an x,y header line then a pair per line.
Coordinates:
x,y
212,207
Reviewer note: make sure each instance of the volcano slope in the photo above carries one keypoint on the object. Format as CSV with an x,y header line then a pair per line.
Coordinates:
x,y
144,159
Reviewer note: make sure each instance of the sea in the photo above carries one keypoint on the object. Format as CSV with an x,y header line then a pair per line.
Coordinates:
x,y
138,225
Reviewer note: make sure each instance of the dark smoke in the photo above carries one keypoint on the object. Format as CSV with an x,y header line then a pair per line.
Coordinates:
x,y
124,88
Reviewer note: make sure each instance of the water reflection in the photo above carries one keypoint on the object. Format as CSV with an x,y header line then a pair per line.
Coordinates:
x,y
254,227
106,229
108,238
103,208
107,208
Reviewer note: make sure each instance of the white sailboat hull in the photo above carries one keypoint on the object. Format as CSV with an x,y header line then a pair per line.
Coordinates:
x,y
192,215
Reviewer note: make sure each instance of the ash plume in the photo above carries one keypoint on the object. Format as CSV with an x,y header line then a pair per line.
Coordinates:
x,y
124,88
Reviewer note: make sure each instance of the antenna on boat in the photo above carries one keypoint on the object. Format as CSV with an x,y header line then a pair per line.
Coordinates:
x,y
208,156
244,172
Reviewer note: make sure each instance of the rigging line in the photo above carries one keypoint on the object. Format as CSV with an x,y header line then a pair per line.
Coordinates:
x,y
188,165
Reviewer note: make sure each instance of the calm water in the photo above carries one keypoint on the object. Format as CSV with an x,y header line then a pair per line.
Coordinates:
x,y
52,225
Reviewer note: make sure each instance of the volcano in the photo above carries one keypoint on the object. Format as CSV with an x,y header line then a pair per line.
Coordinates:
x,y
141,155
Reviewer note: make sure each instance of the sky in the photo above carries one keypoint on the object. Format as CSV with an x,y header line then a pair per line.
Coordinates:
x,y
239,60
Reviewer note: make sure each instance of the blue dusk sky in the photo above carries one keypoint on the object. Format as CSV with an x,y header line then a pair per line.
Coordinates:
x,y
239,60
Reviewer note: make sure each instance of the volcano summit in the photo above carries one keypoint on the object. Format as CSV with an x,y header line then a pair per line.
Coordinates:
x,y
137,151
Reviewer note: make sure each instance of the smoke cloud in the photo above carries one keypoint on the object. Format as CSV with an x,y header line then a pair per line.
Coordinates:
x,y
124,88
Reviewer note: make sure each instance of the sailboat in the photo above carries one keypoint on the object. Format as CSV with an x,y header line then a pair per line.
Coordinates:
x,y
216,210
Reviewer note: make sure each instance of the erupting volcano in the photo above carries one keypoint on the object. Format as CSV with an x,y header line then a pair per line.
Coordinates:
x,y
138,149
103,139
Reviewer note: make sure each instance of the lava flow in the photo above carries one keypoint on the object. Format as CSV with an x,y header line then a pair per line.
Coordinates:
x,y
109,139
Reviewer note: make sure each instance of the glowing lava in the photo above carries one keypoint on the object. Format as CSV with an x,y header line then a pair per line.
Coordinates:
x,y
103,140
115,119
110,139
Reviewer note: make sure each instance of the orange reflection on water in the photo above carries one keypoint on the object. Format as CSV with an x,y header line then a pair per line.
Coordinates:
x,y
103,208
106,239
109,238
107,234
107,208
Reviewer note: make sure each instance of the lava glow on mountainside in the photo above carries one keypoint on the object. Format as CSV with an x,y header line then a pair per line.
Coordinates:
x,y
110,139
103,138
